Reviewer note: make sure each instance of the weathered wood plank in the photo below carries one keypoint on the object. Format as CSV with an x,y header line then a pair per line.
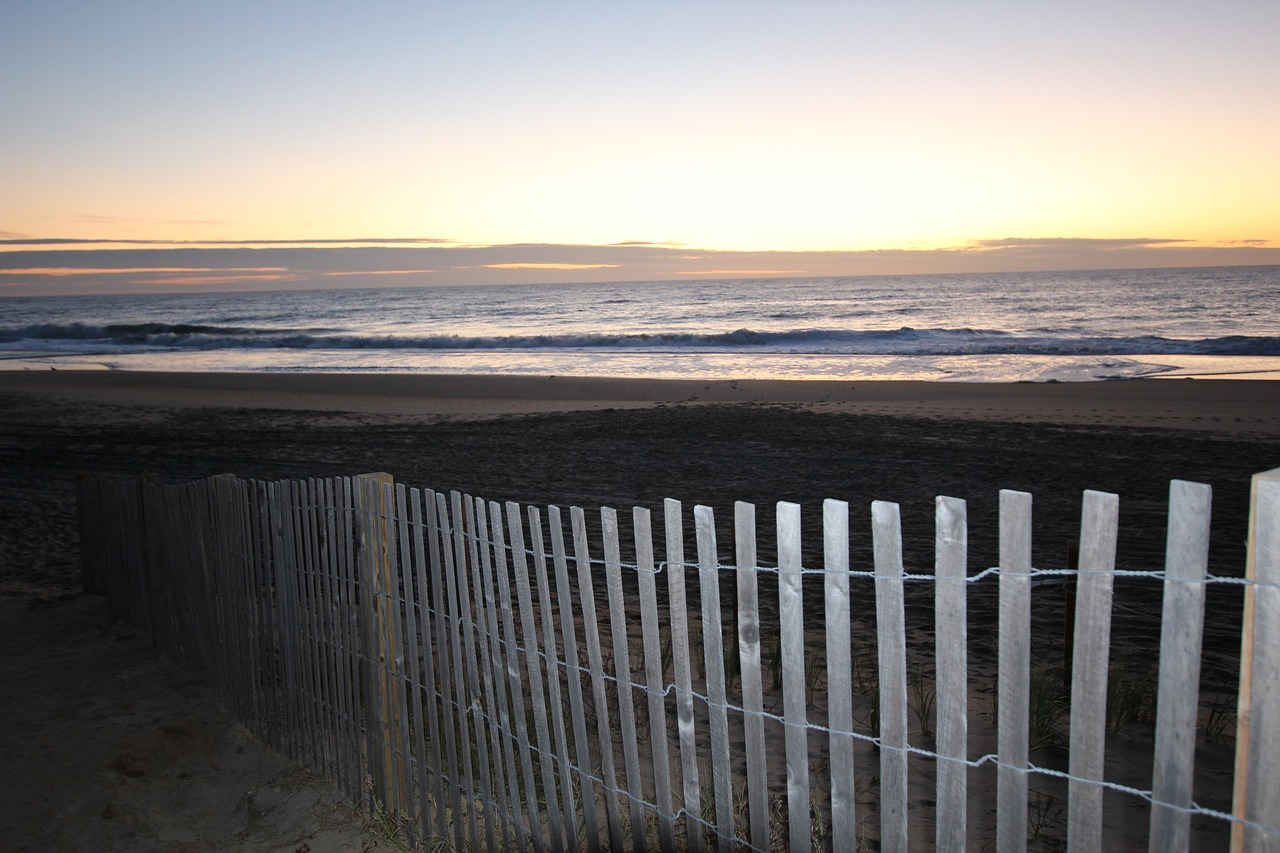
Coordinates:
x,y
749,653
951,643
459,744
794,703
622,674
426,552
465,541
1013,700
713,653
506,653
595,663
448,809
1178,699
1258,732
573,671
835,551
655,678
508,813
537,688
397,534
1090,658
409,687
555,700
678,606
886,531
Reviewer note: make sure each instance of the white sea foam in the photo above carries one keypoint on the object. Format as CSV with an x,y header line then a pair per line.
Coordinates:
x,y
1033,326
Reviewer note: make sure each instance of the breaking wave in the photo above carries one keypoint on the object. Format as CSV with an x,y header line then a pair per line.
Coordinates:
x,y
901,341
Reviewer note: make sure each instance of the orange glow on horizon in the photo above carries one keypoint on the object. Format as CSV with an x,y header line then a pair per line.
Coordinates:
x,y
379,272
58,272
550,266
736,273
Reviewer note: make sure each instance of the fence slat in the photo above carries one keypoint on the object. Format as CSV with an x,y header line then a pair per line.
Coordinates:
x,y
349,583
713,652
505,779
555,699
749,652
409,683
1258,743
886,531
622,672
655,678
1090,656
573,672
835,551
595,665
307,628
678,613
1014,678
507,647
464,789
468,560
431,777
326,595
397,533
796,727
1178,700
537,690
441,586
286,584
952,664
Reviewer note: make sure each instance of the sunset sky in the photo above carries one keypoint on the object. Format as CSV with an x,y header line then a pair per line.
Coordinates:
x,y
416,143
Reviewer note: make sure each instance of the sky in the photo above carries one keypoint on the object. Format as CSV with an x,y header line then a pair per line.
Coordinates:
x,y
182,145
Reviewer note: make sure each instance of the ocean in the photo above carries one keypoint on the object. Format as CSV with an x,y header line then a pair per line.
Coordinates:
x,y
1034,326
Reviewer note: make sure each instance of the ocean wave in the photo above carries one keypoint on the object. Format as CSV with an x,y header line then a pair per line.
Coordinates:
x,y
905,340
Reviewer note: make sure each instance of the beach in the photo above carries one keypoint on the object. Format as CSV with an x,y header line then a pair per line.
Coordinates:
x,y
88,703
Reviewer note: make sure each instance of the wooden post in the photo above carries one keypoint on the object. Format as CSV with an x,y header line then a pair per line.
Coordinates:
x,y
1262,565
373,516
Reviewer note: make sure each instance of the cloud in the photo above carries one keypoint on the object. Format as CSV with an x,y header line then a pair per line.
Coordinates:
x,y
42,268
551,266
742,273
204,281
8,239
380,272
1070,244
58,272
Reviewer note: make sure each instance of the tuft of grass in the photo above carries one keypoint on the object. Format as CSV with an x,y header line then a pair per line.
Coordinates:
x,y
1221,718
385,830
1046,710
922,695
1131,698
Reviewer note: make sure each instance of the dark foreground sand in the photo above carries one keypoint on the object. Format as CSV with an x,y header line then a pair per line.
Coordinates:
x,y
105,747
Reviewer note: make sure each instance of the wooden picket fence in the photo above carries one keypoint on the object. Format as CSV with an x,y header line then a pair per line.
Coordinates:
x,y
464,666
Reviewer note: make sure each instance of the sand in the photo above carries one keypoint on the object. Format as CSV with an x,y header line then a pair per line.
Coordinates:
x,y
1213,404
107,747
